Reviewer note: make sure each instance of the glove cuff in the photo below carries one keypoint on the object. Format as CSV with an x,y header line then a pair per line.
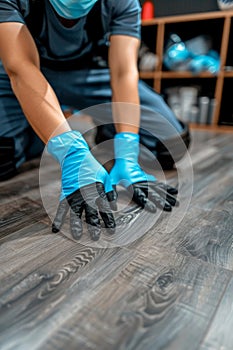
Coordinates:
x,y
126,169
127,136
126,146
62,145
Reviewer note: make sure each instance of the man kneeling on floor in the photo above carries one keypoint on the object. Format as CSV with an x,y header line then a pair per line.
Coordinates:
x,y
49,53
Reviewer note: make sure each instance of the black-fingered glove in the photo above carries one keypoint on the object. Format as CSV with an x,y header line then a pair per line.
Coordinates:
x,y
85,185
93,200
145,189
153,195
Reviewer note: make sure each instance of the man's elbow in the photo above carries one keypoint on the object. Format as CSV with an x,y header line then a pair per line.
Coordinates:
x,y
15,66
125,74
12,68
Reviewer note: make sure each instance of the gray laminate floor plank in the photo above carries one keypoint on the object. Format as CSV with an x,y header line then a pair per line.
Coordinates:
x,y
167,288
158,301
219,334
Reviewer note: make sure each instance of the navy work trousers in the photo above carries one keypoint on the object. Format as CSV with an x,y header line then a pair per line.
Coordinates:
x,y
79,89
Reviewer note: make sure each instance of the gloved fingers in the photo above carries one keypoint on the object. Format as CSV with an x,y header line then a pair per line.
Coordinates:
x,y
76,205
106,213
59,219
109,221
103,203
110,196
167,188
112,199
93,221
172,200
153,194
87,198
76,226
162,190
159,200
140,197
84,199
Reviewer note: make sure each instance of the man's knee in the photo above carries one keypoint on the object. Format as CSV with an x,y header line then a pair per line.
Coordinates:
x,y
14,151
7,163
173,149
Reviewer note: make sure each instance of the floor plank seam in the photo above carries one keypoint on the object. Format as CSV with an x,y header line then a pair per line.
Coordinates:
x,y
216,310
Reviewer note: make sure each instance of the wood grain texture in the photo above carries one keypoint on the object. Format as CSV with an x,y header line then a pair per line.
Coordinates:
x,y
219,335
203,234
164,290
157,301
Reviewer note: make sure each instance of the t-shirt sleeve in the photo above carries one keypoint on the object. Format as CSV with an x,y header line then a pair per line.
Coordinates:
x,y
126,18
10,11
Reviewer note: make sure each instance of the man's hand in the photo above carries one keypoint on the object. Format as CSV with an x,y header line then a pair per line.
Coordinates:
x,y
92,200
153,195
147,191
86,187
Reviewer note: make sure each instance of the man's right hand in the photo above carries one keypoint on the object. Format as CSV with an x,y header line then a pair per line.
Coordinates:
x,y
86,186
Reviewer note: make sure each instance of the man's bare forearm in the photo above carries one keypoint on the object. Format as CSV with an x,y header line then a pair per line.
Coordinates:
x,y
124,82
126,108
20,58
38,102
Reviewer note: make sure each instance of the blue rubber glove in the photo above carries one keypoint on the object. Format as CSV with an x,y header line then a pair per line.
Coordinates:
x,y
86,186
147,191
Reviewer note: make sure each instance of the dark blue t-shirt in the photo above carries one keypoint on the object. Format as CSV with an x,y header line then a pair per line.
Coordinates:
x,y
57,43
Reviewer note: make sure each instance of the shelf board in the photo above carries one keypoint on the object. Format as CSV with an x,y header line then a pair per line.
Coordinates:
x,y
228,74
176,75
188,17
149,75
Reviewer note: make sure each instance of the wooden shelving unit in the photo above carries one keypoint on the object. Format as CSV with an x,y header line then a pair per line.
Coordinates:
x,y
225,31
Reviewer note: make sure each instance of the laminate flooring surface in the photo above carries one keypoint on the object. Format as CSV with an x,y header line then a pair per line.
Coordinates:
x,y
170,287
